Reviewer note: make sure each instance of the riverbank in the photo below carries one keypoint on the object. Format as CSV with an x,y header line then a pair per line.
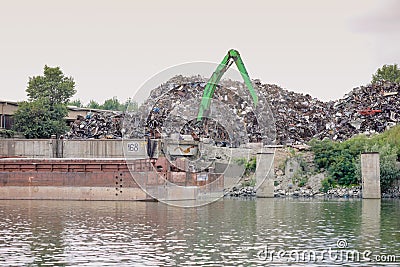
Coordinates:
x,y
339,192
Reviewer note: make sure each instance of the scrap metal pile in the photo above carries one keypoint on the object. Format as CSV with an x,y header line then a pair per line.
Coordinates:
x,y
106,125
172,109
298,117
366,109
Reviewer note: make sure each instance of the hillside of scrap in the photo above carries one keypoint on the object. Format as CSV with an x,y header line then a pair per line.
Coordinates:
x,y
297,118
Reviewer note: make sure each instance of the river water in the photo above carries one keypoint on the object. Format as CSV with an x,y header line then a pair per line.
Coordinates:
x,y
231,232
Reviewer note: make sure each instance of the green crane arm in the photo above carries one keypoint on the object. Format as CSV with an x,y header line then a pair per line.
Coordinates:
x,y
232,56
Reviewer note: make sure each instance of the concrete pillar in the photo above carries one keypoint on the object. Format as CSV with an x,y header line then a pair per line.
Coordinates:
x,y
265,174
371,177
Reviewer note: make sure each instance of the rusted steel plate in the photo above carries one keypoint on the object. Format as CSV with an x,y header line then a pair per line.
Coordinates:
x,y
96,172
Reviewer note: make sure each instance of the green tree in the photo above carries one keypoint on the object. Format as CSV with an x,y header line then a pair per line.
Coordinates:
x,y
114,104
93,104
389,73
43,114
111,104
76,103
37,119
53,86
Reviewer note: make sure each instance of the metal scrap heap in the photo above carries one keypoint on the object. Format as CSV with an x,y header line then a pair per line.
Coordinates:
x,y
157,113
298,117
105,125
366,109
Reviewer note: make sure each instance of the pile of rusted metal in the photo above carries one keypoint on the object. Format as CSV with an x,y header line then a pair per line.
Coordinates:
x,y
105,125
366,109
172,108
288,118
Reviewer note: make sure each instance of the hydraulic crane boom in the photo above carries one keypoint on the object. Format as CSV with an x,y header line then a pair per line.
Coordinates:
x,y
232,56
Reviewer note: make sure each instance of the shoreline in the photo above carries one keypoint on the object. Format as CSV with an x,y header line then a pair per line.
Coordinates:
x,y
354,192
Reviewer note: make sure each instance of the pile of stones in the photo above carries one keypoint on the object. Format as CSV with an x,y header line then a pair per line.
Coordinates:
x,y
247,191
339,192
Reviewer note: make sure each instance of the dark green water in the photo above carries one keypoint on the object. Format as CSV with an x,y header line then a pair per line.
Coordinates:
x,y
226,233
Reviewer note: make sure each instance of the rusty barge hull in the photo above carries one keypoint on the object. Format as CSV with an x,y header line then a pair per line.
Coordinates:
x,y
69,179
86,179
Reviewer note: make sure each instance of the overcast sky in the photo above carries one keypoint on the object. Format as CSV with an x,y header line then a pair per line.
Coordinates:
x,y
324,48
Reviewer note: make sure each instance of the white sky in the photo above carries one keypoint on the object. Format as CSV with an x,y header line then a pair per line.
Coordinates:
x,y
324,48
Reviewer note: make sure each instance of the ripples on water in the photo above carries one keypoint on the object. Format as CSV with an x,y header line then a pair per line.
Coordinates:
x,y
229,232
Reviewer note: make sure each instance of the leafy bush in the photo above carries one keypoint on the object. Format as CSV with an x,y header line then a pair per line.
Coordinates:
x,y
343,161
249,165
303,181
389,73
6,133
327,184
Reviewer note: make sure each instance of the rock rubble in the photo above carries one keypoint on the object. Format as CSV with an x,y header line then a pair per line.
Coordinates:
x,y
247,191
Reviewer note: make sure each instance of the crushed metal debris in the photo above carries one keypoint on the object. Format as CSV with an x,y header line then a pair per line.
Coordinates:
x,y
298,117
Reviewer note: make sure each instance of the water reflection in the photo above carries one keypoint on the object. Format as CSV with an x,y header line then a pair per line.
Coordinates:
x,y
370,223
229,232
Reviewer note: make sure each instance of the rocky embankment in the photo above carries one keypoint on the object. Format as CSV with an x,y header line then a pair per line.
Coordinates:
x,y
297,176
339,192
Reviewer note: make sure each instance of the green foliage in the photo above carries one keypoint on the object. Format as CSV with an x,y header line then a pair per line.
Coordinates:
x,y
389,73
53,86
303,181
249,165
291,151
342,169
327,184
240,161
93,104
112,104
38,119
249,169
6,133
342,160
43,115
76,103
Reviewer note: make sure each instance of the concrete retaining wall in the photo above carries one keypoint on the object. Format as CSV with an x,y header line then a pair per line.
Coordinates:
x,y
38,148
52,148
